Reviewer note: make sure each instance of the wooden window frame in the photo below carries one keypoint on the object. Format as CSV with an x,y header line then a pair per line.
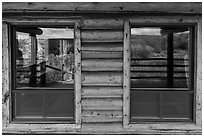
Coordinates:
x,y
155,21
8,124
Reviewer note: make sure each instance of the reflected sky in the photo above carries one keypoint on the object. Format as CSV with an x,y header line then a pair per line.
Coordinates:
x,y
145,31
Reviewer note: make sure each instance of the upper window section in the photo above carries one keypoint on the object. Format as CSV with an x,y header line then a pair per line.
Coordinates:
x,y
160,57
44,57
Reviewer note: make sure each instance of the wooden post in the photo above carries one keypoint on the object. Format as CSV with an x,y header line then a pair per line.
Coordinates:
x,y
198,78
33,75
77,74
126,74
6,95
170,59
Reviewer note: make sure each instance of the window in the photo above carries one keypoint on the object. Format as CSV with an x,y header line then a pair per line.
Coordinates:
x,y
161,73
43,73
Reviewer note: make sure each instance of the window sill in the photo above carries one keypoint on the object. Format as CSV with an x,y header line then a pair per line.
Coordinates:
x,y
40,129
165,128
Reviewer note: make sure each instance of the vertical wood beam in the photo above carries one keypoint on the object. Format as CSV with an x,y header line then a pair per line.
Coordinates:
x,y
170,59
33,49
33,76
5,75
198,78
77,74
126,74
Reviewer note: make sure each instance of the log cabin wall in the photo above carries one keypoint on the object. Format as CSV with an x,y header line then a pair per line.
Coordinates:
x,y
102,62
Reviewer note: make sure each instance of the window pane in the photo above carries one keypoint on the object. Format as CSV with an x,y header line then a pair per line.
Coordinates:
x,y
144,105
159,57
59,104
176,105
45,57
29,104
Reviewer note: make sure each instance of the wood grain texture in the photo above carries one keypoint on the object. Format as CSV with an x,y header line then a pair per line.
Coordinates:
x,y
97,7
102,104
102,23
101,55
198,93
105,78
126,74
156,20
102,65
116,47
77,74
102,91
5,75
100,35
101,116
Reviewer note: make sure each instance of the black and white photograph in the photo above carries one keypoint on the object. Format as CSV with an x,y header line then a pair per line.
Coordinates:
x,y
101,68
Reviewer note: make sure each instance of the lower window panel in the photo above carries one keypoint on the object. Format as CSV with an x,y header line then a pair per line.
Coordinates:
x,y
44,105
161,106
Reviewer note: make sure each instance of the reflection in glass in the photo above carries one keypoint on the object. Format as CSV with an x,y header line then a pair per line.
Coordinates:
x,y
159,57
45,59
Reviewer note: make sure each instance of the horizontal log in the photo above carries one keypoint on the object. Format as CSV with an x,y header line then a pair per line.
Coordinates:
x,y
117,47
92,113
102,65
101,102
113,35
102,84
106,7
101,119
102,108
101,91
99,54
102,23
113,78
101,116
102,41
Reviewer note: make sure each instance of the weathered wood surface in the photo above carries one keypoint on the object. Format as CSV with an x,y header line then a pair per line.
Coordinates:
x,y
101,91
100,35
104,78
102,65
102,23
102,104
41,129
98,7
100,55
126,74
5,76
198,93
101,116
116,47
116,128
153,20
77,74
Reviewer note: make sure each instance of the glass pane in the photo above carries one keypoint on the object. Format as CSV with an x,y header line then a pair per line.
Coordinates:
x,y
59,104
159,57
176,105
45,57
144,105
29,104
